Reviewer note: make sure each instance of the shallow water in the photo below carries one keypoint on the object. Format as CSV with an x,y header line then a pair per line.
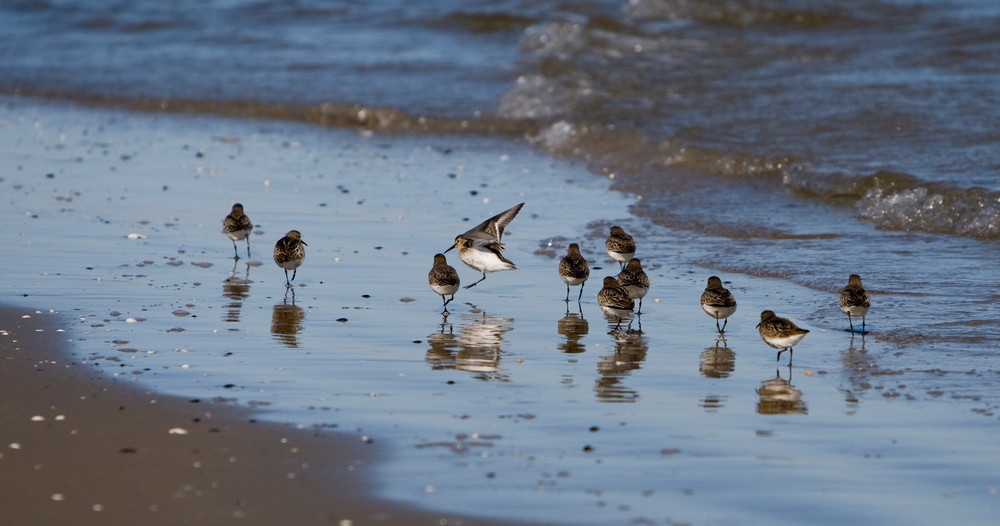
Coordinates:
x,y
516,396
885,109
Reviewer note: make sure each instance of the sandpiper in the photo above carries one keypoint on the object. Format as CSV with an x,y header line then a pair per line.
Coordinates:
x,y
620,246
635,281
615,301
443,279
718,302
780,333
289,254
573,270
480,247
237,226
854,301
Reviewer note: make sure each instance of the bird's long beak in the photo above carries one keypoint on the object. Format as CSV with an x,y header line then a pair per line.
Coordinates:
x,y
758,325
449,248
304,243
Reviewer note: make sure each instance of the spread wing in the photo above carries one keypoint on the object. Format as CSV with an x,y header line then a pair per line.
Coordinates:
x,y
492,229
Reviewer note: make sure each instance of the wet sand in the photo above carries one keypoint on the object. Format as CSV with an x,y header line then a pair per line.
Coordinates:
x,y
81,448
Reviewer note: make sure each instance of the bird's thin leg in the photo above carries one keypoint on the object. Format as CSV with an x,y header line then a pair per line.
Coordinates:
x,y
640,307
476,283
287,283
717,322
581,291
567,293
851,322
724,323
248,246
779,355
862,325
293,274
236,253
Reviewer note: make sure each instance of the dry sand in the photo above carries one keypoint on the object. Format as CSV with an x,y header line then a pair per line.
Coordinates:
x,y
80,448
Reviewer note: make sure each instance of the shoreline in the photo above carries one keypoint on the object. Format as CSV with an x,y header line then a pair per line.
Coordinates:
x,y
81,448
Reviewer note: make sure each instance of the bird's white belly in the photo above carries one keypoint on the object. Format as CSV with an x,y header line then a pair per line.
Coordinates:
x,y
237,235
445,290
484,261
784,342
718,312
621,257
636,292
617,313
855,311
291,265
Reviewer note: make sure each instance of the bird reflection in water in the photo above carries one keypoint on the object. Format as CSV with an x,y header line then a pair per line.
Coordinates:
x,y
712,403
286,320
444,345
858,368
236,289
778,396
630,352
717,361
572,327
615,328
476,348
855,359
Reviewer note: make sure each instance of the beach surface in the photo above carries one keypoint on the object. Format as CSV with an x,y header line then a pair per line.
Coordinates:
x,y
81,448
351,397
